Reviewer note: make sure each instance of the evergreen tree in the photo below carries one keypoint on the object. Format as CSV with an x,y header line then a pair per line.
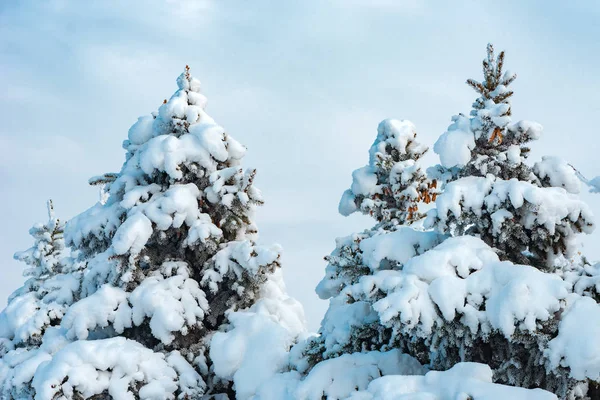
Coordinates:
x,y
491,151
390,189
527,216
391,290
497,280
174,279
36,307
391,186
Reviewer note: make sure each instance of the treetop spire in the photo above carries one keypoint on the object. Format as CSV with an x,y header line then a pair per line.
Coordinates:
x,y
50,209
495,81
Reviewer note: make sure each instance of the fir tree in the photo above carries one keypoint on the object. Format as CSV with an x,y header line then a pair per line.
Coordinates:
x,y
172,267
392,185
36,307
491,151
496,281
528,215
390,189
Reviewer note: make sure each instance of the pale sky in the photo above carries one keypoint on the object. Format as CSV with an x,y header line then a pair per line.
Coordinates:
x,y
303,84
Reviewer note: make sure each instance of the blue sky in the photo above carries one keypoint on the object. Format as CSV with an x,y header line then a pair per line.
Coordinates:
x,y
303,84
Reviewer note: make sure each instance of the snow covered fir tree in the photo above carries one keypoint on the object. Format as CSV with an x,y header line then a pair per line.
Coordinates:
x,y
173,297
38,306
491,275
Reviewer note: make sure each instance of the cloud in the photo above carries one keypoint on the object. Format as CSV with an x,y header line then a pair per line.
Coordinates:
x,y
397,6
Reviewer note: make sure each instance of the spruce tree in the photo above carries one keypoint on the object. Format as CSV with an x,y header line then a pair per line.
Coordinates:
x,y
391,189
392,185
507,315
37,307
396,296
492,277
491,152
171,266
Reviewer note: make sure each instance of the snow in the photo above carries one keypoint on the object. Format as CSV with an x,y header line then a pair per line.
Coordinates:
x,y
337,378
513,154
231,184
347,204
238,257
141,131
398,246
377,248
392,375
114,365
526,130
463,381
17,368
256,345
205,144
559,173
201,230
132,235
364,181
576,345
455,145
547,208
341,319
495,113
27,315
95,311
463,276
172,303
190,381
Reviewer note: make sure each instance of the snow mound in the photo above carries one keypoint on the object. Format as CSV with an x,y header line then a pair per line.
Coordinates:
x,y
557,173
463,381
338,377
576,345
256,345
455,145
110,365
